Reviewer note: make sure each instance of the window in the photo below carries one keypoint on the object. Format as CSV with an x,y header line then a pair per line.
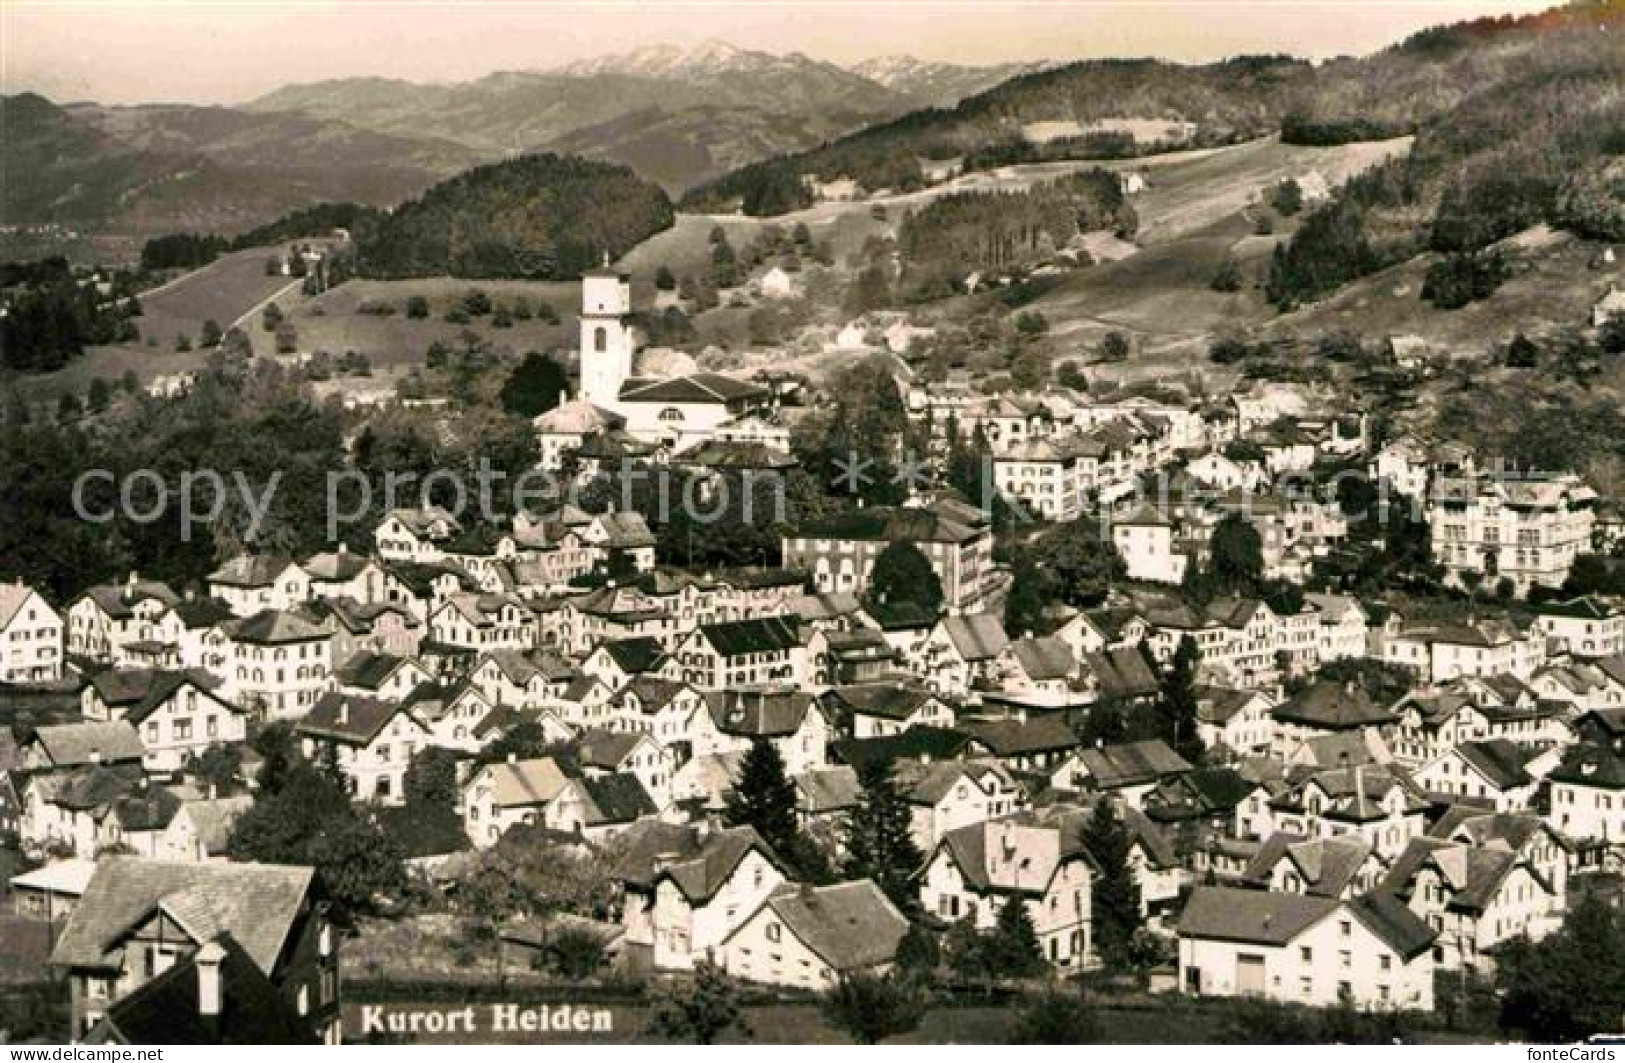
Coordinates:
x,y
1306,954
1345,959
600,339
1345,928
773,932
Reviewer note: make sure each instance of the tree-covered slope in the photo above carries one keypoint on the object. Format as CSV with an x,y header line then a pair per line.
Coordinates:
x,y
543,216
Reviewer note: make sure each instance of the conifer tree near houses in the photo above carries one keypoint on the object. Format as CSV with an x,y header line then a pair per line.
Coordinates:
x,y
1013,950
879,844
1116,892
1176,703
901,573
764,798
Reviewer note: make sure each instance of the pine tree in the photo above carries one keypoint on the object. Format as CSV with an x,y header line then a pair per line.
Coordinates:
x,y
879,843
1116,892
764,798
1013,950
1176,703
901,573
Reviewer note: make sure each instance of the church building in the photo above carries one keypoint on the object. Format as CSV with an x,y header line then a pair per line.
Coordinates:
x,y
681,411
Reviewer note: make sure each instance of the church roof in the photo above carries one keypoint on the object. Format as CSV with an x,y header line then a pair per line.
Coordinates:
x,y
695,388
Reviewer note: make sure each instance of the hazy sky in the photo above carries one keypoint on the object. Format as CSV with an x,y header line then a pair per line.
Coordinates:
x,y
224,52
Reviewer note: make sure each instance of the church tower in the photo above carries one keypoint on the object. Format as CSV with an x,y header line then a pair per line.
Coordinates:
x,y
606,338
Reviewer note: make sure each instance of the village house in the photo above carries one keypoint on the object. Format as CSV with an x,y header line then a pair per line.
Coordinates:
x,y
1303,949
1475,897
501,795
1146,540
380,675
1431,722
839,553
963,652
664,709
740,653
277,663
1127,770
1239,721
944,795
201,829
140,918
1588,795
81,811
791,720
1482,646
688,889
180,715
1380,804
869,710
371,741
386,627
599,752
616,662
452,711
31,637
109,615
483,622
976,870
1524,529
252,583
415,535
1327,707
808,937
1584,627
1339,868
1493,771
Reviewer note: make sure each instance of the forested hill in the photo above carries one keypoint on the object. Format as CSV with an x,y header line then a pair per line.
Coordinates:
x,y
542,216
1102,108
1095,108
1530,130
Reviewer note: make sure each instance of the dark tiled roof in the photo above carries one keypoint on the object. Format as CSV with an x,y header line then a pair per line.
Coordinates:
x,y
759,713
164,1011
1333,706
1132,763
257,903
1222,913
849,925
347,718
891,701
634,655
1009,738
767,634
1591,766
916,743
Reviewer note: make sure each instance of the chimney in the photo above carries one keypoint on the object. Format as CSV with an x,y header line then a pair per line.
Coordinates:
x,y
129,583
513,758
344,712
208,961
1359,785
344,549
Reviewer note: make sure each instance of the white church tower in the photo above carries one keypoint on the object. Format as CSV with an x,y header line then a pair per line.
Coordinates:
x,y
606,338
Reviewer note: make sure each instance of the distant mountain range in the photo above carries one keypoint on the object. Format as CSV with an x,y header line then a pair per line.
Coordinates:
x,y
678,116
166,168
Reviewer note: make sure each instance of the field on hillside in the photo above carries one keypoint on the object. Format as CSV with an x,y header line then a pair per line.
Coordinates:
x,y
1552,284
331,321
226,290
223,291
